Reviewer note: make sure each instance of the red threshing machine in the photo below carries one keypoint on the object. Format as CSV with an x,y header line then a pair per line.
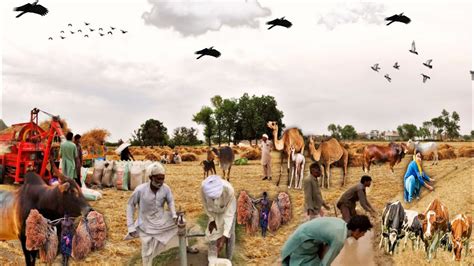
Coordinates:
x,y
27,147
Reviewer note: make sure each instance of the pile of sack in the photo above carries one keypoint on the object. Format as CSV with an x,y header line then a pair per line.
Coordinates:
x,y
123,175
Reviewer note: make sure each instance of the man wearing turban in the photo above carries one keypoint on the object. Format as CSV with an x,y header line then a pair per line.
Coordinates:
x,y
220,205
156,227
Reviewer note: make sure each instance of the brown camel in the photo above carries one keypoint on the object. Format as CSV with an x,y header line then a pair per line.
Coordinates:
x,y
329,152
290,137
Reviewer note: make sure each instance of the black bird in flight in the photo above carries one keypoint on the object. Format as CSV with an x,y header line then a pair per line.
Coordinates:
x,y
72,32
208,51
86,36
428,63
112,28
279,22
62,31
79,31
375,67
109,32
398,18
396,66
91,29
425,77
87,24
101,34
50,38
100,29
31,8
413,48
69,25
388,77
62,38
123,31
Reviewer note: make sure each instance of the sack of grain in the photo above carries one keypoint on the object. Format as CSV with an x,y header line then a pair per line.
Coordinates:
x,y
107,178
121,175
99,167
136,174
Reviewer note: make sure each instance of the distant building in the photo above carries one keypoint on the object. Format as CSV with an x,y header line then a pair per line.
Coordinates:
x,y
391,135
363,135
374,134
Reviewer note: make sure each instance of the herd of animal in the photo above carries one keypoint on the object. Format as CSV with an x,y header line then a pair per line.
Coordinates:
x,y
432,228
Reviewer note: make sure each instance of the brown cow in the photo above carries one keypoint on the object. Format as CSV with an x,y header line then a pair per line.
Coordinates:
x,y
393,153
434,222
52,202
461,228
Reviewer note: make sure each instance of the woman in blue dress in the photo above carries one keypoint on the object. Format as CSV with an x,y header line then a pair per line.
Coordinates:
x,y
415,178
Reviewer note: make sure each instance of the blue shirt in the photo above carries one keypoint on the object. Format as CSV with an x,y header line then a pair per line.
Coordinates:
x,y
412,170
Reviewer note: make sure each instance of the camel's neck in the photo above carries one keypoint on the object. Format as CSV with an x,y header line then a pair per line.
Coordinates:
x,y
278,142
315,153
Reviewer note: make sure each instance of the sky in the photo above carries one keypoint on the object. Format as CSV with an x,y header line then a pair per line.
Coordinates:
x,y
318,70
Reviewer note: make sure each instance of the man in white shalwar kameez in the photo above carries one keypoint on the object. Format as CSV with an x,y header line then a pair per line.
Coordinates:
x,y
156,227
220,206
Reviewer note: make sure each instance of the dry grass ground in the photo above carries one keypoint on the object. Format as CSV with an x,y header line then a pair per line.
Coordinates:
x,y
453,187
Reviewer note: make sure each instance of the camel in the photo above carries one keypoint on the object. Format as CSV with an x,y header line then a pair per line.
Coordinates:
x,y
290,137
329,152
298,161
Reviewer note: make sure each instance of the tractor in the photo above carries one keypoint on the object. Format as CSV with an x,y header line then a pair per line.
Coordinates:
x,y
27,147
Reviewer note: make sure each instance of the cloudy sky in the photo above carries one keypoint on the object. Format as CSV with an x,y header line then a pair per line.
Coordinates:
x,y
318,70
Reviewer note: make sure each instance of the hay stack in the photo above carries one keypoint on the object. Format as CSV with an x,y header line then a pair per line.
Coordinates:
x,y
244,208
356,160
444,146
47,123
151,157
285,207
189,157
274,217
466,151
445,154
81,242
36,230
252,154
94,137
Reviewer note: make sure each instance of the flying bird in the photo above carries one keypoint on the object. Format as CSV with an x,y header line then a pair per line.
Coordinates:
x,y
91,29
86,36
123,31
396,66
398,18
208,51
413,48
63,37
425,77
375,67
112,28
388,77
62,31
69,25
100,29
109,32
279,22
79,31
101,34
72,32
50,38
428,63
87,24
31,8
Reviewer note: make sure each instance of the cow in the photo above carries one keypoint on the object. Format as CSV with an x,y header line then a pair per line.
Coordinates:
x,y
425,148
435,224
413,229
52,202
226,159
461,229
393,153
393,216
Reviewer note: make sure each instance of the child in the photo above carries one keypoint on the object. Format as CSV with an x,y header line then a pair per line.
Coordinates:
x,y
264,210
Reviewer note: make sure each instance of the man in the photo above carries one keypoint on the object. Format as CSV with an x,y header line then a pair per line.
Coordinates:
x,y
266,146
77,142
68,153
319,241
348,200
125,154
156,227
313,199
220,206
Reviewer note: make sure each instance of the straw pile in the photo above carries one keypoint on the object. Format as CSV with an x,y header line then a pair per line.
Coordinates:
x,y
274,217
81,242
36,230
47,123
50,249
466,151
151,157
445,154
97,228
252,154
189,157
244,208
285,207
94,137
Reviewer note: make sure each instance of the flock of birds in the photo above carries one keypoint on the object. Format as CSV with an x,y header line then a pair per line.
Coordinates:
x,y
403,19
86,32
282,22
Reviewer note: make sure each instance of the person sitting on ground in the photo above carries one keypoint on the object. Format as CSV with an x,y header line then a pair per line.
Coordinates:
x,y
319,241
313,199
415,178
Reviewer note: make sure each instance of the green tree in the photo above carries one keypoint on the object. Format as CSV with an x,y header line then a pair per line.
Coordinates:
x,y
205,117
218,117
230,116
348,132
452,126
150,133
335,130
185,136
407,131
438,123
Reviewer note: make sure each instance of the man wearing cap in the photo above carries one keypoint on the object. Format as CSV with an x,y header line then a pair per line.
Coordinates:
x,y
220,206
156,227
266,146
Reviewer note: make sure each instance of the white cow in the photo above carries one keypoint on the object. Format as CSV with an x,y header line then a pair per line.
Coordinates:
x,y
412,228
425,148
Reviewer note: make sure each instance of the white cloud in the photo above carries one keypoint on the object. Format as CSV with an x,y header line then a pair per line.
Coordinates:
x,y
191,17
371,13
